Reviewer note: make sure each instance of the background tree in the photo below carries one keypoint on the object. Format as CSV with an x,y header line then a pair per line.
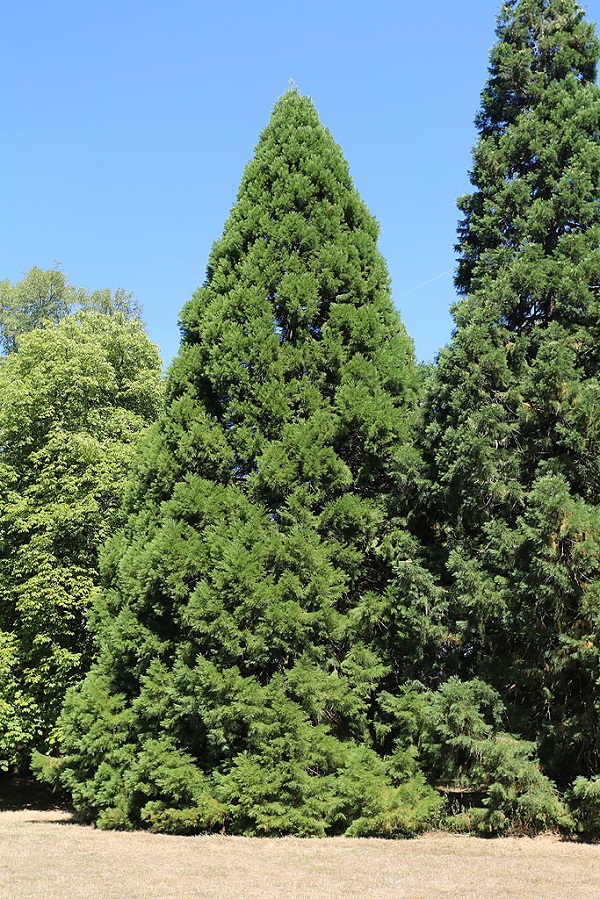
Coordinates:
x,y
513,429
74,397
264,588
43,298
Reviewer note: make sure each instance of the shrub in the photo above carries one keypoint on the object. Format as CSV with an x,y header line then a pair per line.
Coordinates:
x,y
584,801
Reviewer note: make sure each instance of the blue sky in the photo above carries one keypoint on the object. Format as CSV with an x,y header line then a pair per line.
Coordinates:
x,y
127,126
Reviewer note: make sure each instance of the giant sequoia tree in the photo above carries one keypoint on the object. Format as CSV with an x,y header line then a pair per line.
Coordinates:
x,y
514,429
263,589
74,396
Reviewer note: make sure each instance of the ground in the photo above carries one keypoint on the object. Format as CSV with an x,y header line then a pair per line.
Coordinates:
x,y
44,855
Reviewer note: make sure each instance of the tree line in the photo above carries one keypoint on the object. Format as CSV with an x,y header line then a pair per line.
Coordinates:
x,y
305,585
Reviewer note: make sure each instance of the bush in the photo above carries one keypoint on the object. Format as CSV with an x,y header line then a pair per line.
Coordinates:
x,y
201,819
464,747
584,802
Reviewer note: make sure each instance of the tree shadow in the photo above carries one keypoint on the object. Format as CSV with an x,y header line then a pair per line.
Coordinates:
x,y
20,793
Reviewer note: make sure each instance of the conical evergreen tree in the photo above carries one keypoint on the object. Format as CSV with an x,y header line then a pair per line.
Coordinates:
x,y
514,425
263,589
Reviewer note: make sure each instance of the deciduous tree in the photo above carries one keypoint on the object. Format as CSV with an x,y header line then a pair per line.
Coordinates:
x,y
43,298
74,397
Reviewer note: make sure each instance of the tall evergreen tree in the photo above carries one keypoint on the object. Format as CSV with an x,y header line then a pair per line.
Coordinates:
x,y
264,589
513,430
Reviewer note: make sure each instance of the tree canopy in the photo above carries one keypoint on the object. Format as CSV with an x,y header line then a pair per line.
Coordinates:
x,y
513,424
263,588
73,398
43,298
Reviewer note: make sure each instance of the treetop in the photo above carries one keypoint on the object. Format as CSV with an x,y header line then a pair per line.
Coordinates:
x,y
539,41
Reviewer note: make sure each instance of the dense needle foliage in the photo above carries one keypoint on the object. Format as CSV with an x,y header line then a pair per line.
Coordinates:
x,y
306,624
264,589
513,423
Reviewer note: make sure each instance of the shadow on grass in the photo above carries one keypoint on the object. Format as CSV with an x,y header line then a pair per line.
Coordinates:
x,y
71,821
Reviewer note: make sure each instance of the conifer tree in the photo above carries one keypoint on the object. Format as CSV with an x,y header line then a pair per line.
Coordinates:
x,y
513,429
263,588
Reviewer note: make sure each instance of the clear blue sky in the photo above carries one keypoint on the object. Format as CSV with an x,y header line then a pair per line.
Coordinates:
x,y
127,126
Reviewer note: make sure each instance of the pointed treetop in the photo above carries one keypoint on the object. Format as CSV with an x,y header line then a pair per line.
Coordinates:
x,y
539,123
266,531
539,41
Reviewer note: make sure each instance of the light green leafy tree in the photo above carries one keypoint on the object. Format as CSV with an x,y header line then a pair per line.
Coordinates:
x,y
43,297
74,397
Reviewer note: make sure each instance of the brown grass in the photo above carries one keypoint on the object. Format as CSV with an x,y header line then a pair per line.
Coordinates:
x,y
43,854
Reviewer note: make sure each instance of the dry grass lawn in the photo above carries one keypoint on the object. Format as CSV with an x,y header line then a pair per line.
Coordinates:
x,y
43,854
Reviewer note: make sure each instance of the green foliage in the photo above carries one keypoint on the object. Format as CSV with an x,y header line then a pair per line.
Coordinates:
x,y
584,802
15,706
264,586
380,808
97,731
43,298
463,747
278,652
512,427
198,819
73,399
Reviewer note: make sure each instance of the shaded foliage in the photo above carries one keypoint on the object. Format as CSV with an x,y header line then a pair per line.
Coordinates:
x,y
512,431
